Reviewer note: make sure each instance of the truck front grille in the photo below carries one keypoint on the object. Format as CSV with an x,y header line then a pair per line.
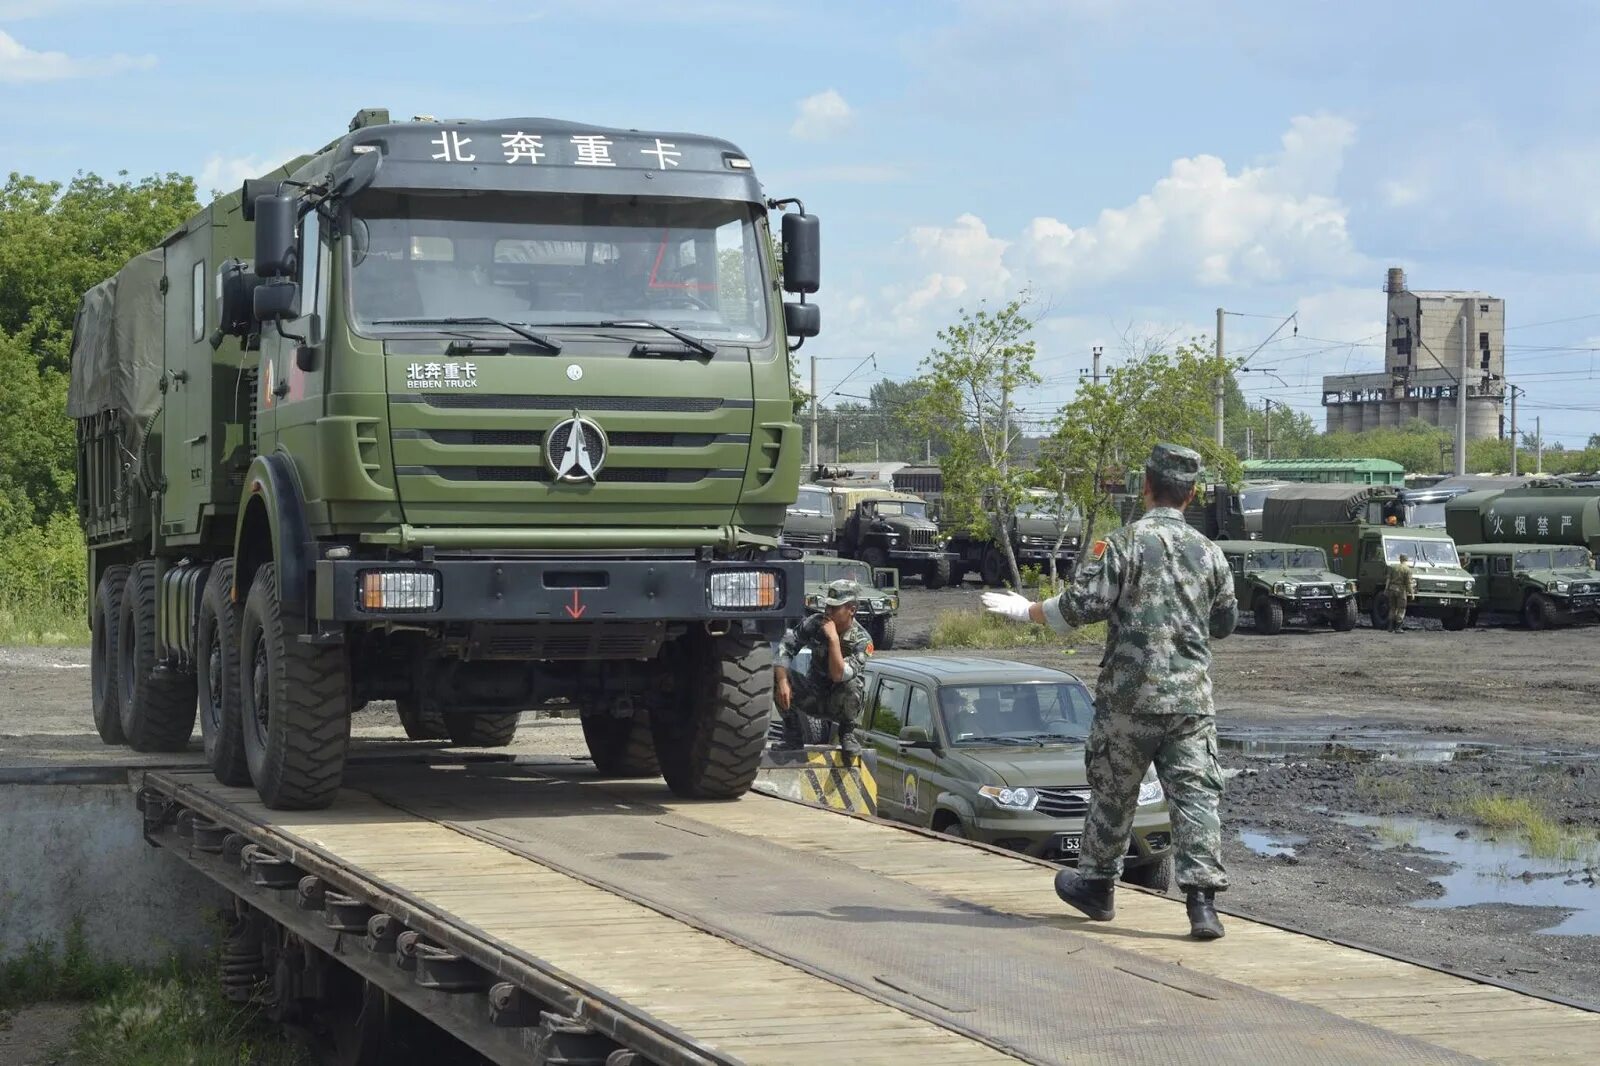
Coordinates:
x,y
530,438
567,640
924,539
627,475
491,401
1063,802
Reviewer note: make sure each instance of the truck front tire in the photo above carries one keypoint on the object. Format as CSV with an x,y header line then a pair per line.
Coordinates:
x,y
937,576
216,670
421,720
156,706
1456,619
295,700
709,745
621,747
103,654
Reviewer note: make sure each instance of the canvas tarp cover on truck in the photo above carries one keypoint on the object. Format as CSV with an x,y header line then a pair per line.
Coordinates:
x,y
117,348
1313,504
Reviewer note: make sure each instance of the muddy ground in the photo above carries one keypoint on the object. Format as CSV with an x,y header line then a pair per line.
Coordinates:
x,y
1405,729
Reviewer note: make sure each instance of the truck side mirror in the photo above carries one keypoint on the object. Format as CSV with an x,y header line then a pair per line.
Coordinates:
x,y
253,190
275,242
802,254
886,578
238,313
802,320
277,300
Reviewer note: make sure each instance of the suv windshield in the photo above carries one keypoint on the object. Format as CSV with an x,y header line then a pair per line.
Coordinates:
x,y
810,501
887,507
1421,552
1298,559
1041,711
1554,559
819,572
695,265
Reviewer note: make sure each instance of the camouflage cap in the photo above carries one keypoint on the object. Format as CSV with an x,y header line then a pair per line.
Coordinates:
x,y
841,592
1175,463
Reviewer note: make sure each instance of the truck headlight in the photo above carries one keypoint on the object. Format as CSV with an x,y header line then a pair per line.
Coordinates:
x,y
1012,799
399,590
756,590
1150,789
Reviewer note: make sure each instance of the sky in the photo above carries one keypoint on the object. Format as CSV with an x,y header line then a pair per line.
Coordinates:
x,y
1132,164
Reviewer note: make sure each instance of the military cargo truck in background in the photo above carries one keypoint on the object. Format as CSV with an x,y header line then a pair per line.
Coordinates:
x,y
1033,528
474,415
885,528
1348,523
1279,583
808,521
1531,551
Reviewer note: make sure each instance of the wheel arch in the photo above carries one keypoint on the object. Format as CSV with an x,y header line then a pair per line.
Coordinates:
x,y
272,529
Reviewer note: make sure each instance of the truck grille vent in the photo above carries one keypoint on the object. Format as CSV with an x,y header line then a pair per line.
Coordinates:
x,y
557,640
490,401
528,438
924,538
1063,802
609,475
1316,590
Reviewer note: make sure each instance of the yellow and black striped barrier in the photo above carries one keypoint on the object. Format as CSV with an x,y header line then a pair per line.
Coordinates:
x,y
818,775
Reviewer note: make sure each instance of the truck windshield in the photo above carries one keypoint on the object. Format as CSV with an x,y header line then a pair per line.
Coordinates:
x,y
914,510
1298,559
1025,713
1423,515
1421,552
810,501
544,259
1554,559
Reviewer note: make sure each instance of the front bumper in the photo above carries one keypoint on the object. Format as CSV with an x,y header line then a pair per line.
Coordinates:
x,y
1315,605
1433,604
568,589
1042,836
902,555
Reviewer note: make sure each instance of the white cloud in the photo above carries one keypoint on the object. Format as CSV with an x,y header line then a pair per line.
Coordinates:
x,y
18,63
821,116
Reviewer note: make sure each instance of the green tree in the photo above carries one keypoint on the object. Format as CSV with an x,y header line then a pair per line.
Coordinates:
x,y
970,380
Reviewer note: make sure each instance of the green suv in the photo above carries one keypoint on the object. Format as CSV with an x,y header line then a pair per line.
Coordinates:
x,y
1276,583
880,593
992,751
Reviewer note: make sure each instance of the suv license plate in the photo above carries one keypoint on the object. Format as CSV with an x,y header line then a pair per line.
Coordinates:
x,y
1069,843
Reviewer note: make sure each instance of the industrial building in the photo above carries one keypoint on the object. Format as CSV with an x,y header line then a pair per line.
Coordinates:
x,y
1424,334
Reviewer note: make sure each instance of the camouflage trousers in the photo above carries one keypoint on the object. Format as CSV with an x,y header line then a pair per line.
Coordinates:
x,y
1183,748
1397,613
839,703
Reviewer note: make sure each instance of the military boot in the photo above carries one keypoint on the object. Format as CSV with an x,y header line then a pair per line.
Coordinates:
x,y
794,737
849,745
1091,895
1203,921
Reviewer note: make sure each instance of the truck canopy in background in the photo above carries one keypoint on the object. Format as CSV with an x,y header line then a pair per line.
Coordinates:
x,y
117,346
1316,504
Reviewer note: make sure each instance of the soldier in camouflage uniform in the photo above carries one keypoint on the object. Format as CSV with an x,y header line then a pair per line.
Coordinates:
x,y
834,686
1400,586
1165,592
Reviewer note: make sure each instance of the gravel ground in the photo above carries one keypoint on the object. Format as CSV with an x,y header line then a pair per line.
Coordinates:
x,y
1308,713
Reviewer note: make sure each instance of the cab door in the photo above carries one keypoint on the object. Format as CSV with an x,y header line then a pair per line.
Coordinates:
x,y
886,711
921,769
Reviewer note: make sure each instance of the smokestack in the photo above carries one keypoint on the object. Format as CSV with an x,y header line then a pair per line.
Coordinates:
x,y
1396,282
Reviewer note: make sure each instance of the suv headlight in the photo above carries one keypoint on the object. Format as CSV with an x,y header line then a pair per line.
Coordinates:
x,y
1011,799
1284,588
1562,586
1150,789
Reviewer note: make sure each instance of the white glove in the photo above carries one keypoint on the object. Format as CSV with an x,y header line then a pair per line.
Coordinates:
x,y
1008,605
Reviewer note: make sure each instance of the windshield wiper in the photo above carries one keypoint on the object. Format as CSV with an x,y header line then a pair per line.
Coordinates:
x,y
993,740
521,330
705,348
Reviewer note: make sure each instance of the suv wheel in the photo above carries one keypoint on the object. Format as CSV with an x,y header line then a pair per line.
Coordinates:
x,y
1345,615
1538,612
1269,616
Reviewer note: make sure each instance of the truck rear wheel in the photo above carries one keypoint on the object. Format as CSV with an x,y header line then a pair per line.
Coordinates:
x,y
420,721
882,631
103,620
937,576
1538,612
709,745
216,670
1345,615
1269,616
157,707
296,703
1380,611
621,747
482,729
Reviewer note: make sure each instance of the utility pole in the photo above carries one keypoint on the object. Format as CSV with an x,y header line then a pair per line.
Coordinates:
x,y
836,459
1461,405
815,403
1514,390
1249,443
1268,402
1094,375
928,458
1221,370
1538,440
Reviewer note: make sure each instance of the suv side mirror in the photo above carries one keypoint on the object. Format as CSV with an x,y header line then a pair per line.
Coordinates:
x,y
915,737
802,320
802,253
276,216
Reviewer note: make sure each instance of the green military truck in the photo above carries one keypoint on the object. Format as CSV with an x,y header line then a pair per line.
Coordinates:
x,y
1036,529
885,528
1279,583
1531,551
477,416
879,606
1348,523
808,522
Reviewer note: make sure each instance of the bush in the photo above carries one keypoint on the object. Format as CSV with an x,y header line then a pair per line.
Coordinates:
x,y
44,584
41,972
979,629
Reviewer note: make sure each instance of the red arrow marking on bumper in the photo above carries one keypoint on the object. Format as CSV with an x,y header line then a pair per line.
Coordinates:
x,y
576,609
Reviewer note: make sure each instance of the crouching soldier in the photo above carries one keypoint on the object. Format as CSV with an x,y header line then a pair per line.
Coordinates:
x,y
832,685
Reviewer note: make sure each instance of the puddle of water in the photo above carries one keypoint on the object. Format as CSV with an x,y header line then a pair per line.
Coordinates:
x,y
1383,746
1268,844
1492,871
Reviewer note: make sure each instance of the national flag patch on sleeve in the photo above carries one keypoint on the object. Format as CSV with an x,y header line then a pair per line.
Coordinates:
x,y
1098,551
